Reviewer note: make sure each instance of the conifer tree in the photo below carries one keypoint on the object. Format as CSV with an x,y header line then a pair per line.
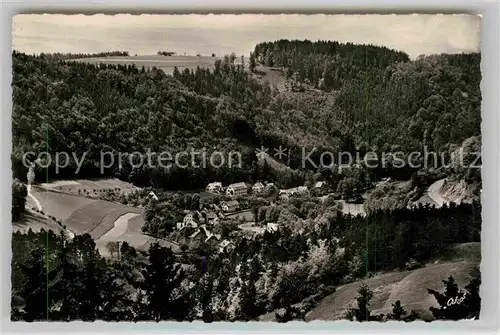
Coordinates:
x,y
162,277
362,311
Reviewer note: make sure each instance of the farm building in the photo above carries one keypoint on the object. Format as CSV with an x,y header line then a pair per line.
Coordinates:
x,y
258,188
226,246
230,206
214,187
237,189
293,191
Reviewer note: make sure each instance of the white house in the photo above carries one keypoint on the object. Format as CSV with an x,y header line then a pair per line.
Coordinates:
x,y
272,227
230,206
214,187
153,195
188,221
211,218
237,189
319,184
258,188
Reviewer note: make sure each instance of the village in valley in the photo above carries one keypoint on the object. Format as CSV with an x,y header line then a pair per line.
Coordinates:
x,y
231,206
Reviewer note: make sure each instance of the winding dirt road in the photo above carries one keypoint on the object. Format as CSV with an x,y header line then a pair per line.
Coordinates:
x,y
40,208
32,197
119,229
434,193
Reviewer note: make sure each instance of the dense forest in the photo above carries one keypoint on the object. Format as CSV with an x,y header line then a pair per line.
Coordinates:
x,y
340,98
68,56
261,275
391,105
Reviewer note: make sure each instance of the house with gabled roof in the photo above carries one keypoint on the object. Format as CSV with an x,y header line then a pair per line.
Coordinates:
x,y
237,189
230,206
293,191
212,238
201,234
211,218
215,187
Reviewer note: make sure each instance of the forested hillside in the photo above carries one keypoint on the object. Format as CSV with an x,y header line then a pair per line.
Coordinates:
x,y
373,98
271,271
383,99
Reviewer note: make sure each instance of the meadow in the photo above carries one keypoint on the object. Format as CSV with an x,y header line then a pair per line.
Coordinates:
x,y
166,63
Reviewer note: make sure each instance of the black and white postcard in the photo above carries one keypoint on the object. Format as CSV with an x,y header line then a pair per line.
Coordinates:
x,y
249,167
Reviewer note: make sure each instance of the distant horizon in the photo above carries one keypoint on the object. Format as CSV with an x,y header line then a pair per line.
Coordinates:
x,y
180,54
223,34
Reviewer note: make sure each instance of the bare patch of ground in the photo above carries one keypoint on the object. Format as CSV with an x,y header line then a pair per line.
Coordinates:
x,y
95,218
273,76
352,209
91,188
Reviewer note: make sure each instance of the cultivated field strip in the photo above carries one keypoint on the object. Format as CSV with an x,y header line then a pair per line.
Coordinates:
x,y
410,287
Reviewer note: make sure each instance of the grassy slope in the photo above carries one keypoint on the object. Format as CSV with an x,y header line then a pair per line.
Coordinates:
x,y
83,215
272,76
408,286
165,63
60,205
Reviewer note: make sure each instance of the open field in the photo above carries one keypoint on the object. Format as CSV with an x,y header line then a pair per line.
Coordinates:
x,y
119,227
96,218
434,193
245,215
36,222
165,63
59,205
459,260
90,188
105,221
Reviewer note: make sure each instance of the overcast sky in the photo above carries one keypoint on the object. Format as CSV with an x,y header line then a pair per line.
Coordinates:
x,y
221,34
